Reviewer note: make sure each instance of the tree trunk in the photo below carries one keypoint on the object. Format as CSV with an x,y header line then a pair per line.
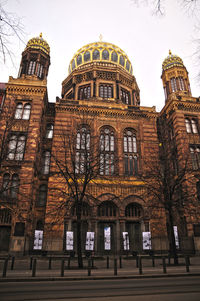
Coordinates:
x,y
79,239
172,241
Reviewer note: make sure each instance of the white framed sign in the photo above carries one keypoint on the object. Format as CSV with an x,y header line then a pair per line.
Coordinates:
x,y
176,236
69,240
146,239
126,241
89,244
38,239
107,238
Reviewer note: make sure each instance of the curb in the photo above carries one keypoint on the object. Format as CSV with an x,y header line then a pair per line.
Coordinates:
x,y
35,279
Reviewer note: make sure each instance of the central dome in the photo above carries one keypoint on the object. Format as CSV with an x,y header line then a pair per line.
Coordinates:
x,y
100,52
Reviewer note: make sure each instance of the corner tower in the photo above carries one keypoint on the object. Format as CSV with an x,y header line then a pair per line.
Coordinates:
x,y
35,58
175,77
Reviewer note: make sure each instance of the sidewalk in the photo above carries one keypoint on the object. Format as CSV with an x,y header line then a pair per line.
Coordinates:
x,y
46,271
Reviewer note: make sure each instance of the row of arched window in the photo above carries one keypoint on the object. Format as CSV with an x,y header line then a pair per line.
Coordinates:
x,y
109,209
107,154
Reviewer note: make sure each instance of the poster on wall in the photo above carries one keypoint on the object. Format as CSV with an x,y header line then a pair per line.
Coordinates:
x,y
176,236
69,240
126,241
38,238
146,238
107,242
89,245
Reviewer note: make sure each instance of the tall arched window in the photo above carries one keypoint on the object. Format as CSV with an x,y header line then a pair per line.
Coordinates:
x,y
46,158
42,195
31,67
181,83
49,131
26,112
130,153
82,159
5,184
18,112
107,148
14,186
173,84
195,156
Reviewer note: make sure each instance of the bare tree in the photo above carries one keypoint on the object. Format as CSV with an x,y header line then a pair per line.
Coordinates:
x,y
10,26
76,165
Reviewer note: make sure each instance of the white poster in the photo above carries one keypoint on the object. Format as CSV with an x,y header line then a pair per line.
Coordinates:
x,y
69,240
107,242
89,245
126,241
146,238
38,238
176,237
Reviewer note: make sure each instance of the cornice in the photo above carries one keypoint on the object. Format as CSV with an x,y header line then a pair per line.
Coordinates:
x,y
28,86
108,112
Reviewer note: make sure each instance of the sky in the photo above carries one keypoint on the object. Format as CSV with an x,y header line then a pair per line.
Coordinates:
x,y
67,25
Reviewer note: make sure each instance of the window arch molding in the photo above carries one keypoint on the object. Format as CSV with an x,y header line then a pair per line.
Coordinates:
x,y
107,209
134,210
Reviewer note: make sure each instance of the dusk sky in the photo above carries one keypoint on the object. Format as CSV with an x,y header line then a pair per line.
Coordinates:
x,y
68,25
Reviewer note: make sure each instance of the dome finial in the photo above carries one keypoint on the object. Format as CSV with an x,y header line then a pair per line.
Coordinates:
x,y
170,53
41,35
100,37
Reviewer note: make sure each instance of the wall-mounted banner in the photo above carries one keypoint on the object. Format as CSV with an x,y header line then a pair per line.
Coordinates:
x,y
126,241
176,236
69,240
107,236
38,238
146,238
89,245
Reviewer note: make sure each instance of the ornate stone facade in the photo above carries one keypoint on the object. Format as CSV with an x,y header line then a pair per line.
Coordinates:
x,y
44,147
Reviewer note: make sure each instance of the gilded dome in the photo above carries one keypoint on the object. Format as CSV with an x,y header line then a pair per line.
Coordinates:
x,y
100,52
38,43
172,61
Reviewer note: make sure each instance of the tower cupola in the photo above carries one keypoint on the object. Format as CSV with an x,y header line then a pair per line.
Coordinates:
x,y
35,58
175,76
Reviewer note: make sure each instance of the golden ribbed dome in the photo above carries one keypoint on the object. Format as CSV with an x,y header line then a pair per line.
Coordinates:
x,y
172,61
100,52
38,43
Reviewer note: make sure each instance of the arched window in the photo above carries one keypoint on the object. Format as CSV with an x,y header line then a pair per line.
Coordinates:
x,y
105,55
130,153
46,158
82,159
14,186
39,70
87,56
191,125
127,65
125,96
106,91
18,112
114,56
108,209
173,84
31,67
195,156
42,195
49,131
121,60
107,148
95,55
16,147
79,59
85,209
133,210
84,92
26,112
181,83
5,184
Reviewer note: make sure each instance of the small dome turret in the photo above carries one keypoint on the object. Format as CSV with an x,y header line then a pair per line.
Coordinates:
x,y
38,43
172,61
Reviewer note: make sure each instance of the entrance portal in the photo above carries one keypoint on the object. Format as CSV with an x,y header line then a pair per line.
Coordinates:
x,y
135,236
4,237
